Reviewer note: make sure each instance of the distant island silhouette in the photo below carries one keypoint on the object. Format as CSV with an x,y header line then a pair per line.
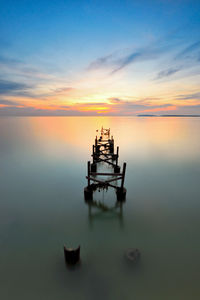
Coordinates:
x,y
195,116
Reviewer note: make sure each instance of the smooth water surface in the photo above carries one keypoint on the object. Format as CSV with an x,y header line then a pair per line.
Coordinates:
x,y
42,169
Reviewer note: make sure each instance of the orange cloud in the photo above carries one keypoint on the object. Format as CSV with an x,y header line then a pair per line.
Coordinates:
x,y
158,109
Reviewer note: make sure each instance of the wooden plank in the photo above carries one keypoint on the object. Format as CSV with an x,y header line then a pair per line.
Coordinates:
x,y
105,154
96,180
104,141
106,174
99,181
107,161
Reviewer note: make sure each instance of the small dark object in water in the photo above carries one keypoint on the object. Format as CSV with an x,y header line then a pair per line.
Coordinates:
x,y
88,193
121,194
72,256
133,255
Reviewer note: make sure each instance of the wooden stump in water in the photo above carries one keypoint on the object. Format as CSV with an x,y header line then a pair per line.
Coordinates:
x,y
88,193
72,256
121,194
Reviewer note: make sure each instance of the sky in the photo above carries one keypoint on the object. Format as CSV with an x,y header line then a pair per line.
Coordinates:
x,y
91,57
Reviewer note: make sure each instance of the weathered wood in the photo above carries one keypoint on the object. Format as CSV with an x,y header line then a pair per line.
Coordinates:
x,y
105,154
108,155
103,151
72,256
95,180
88,173
104,141
123,174
93,167
106,174
104,182
93,152
107,161
88,193
121,194
117,169
117,155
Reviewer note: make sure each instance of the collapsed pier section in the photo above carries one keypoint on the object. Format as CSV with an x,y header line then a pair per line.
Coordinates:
x,y
103,152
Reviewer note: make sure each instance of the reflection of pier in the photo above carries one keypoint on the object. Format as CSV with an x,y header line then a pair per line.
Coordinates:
x,y
103,151
98,210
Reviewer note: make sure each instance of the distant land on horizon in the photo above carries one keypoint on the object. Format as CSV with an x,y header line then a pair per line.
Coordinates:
x,y
196,116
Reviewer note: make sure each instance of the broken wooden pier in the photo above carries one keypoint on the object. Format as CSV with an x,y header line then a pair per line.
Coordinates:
x,y
103,152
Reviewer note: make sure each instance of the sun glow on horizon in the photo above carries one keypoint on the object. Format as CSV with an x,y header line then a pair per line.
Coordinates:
x,y
104,68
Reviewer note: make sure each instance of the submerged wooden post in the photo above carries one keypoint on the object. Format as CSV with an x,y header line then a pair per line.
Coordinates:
x,y
93,165
117,157
116,167
121,191
111,146
88,173
72,256
88,192
93,153
123,175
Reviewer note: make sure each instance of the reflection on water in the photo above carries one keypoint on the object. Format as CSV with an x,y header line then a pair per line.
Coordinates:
x,y
43,168
100,211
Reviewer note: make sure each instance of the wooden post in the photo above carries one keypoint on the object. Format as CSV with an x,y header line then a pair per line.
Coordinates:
x,y
88,173
123,175
117,155
93,153
111,146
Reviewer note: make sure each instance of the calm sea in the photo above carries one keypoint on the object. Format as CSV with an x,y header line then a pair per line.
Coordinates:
x,y
42,177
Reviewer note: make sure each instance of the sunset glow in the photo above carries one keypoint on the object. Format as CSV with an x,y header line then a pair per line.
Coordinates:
x,y
118,59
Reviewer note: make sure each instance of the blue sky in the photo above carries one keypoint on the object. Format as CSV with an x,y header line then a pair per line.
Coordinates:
x,y
99,57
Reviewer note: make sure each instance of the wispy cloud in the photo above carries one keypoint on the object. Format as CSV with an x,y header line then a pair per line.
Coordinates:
x,y
117,61
167,72
10,87
189,50
115,100
193,96
9,103
120,60
102,62
62,90
185,59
